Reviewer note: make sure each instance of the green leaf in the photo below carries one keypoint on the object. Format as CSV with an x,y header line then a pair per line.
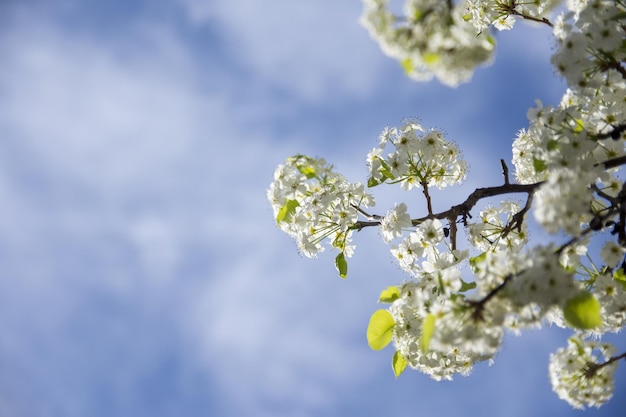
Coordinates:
x,y
430,58
539,165
583,311
307,170
389,295
286,211
466,286
553,145
580,126
428,327
385,169
380,329
476,260
620,277
398,363
373,182
407,65
342,265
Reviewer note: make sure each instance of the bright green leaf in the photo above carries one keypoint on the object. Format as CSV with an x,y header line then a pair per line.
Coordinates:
x,y
380,329
407,65
620,277
307,170
580,126
342,265
373,182
398,363
286,211
389,295
476,260
428,327
583,311
431,58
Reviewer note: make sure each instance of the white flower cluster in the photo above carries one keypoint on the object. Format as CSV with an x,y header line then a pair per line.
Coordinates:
x,y
491,232
445,359
432,38
311,202
458,341
567,162
567,146
502,14
419,158
581,374
590,49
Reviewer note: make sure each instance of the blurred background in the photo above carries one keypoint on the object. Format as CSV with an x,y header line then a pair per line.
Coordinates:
x,y
141,271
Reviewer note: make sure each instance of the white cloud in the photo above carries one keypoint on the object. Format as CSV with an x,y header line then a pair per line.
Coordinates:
x,y
314,48
132,167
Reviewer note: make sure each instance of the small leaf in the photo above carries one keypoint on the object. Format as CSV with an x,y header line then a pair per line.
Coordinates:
x,y
580,126
428,328
389,295
380,329
385,169
342,265
286,211
476,260
373,182
539,165
553,145
431,58
398,363
583,311
407,65
307,170
466,286
620,277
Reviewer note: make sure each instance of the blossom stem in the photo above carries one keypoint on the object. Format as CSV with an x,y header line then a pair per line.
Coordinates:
x,y
427,195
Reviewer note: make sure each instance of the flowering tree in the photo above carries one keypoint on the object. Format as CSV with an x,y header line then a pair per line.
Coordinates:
x,y
567,166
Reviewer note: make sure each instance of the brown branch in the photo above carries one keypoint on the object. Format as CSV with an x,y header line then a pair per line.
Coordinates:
x,y
591,368
463,210
612,163
614,134
479,305
508,7
532,18
465,207
505,172
518,218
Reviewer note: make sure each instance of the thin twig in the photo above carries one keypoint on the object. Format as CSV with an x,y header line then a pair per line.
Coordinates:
x,y
505,172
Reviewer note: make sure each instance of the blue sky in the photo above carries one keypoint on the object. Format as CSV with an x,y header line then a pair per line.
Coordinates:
x,y
141,272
